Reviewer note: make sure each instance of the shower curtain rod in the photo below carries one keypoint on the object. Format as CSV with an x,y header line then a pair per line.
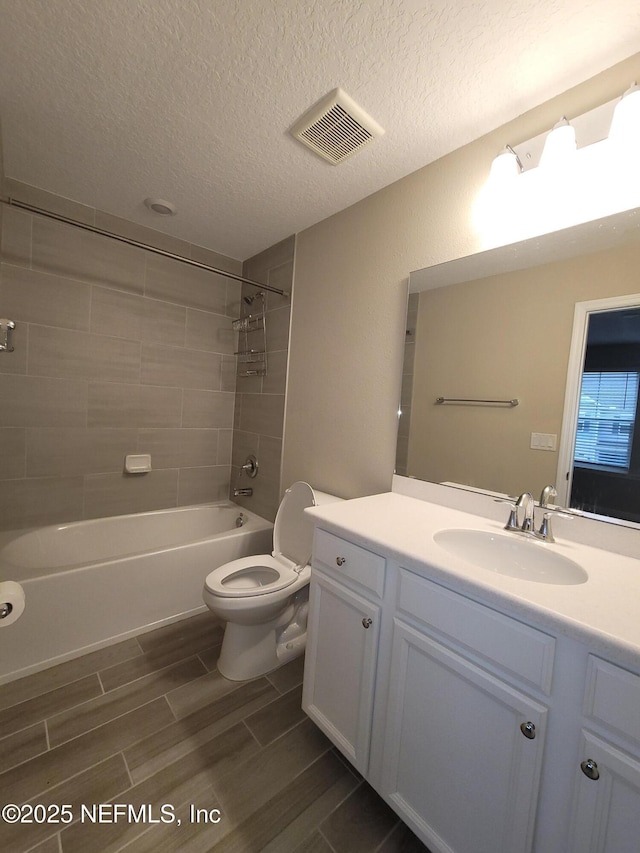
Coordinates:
x,y
12,202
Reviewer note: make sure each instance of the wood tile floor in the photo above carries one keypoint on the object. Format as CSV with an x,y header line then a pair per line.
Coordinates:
x,y
151,723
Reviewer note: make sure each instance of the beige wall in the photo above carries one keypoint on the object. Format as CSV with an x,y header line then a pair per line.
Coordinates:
x,y
259,411
502,337
349,304
117,351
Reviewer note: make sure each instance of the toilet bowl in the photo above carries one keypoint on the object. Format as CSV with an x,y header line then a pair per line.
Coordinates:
x,y
264,598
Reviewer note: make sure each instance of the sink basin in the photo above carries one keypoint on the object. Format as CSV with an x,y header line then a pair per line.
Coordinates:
x,y
512,555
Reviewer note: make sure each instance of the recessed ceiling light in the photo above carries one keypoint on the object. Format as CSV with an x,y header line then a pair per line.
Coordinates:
x,y
161,207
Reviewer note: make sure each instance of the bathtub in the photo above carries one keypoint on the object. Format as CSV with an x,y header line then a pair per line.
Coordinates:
x,y
89,584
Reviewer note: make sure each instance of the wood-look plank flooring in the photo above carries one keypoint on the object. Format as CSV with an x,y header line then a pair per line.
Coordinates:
x,y
150,723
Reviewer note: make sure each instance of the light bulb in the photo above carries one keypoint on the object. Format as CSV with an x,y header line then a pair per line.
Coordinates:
x,y
505,166
625,125
559,146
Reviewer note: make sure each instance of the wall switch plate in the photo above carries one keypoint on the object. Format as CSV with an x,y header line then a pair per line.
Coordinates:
x,y
544,441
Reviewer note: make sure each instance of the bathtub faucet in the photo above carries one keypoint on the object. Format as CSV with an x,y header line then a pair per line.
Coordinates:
x,y
250,469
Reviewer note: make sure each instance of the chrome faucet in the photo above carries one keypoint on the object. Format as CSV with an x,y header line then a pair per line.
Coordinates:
x,y
527,525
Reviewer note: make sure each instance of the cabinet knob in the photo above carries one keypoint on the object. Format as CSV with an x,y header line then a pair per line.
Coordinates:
x,y
590,769
366,622
528,730
340,561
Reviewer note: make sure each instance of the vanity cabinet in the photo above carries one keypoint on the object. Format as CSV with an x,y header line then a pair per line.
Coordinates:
x,y
445,705
341,657
462,746
606,813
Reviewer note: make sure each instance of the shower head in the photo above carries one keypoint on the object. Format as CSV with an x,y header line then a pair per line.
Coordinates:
x,y
248,299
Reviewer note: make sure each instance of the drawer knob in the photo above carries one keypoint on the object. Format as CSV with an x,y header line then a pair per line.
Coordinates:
x,y
590,769
528,730
340,561
366,622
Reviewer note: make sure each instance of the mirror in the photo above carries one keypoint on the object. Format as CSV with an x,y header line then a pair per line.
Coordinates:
x,y
496,327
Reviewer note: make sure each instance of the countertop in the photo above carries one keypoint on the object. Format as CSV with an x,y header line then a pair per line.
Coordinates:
x,y
603,612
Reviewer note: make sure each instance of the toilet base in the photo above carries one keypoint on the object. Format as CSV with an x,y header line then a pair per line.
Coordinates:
x,y
249,651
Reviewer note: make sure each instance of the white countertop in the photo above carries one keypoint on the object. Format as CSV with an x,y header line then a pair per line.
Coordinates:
x,y
604,612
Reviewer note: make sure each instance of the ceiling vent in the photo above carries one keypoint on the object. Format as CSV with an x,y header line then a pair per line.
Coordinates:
x,y
336,127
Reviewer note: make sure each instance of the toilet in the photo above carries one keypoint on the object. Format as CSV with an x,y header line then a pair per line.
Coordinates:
x,y
264,598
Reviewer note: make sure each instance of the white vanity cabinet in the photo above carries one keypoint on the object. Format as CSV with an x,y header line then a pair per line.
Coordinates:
x,y
606,813
481,709
463,746
341,658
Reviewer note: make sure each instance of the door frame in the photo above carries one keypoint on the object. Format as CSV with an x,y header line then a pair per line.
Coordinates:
x,y
583,310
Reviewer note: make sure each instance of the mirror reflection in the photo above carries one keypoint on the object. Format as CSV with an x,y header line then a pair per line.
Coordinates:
x,y
507,335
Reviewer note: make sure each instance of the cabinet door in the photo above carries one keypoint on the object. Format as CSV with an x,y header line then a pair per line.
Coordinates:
x,y
456,763
606,815
340,664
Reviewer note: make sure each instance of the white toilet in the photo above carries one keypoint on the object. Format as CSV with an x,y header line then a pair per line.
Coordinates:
x,y
264,599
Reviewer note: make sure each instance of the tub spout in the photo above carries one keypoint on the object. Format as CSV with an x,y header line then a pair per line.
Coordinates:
x,y
243,493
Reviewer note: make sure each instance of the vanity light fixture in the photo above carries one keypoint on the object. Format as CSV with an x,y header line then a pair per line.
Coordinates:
x,y
617,121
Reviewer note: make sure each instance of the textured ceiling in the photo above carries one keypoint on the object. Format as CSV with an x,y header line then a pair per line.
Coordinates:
x,y
110,101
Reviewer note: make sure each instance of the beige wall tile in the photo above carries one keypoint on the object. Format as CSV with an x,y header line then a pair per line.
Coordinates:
x,y
54,452
50,300
37,401
13,452
16,236
214,259
69,251
275,382
176,282
49,201
207,409
112,404
259,265
278,329
282,278
262,413
162,444
198,447
225,439
199,485
160,407
142,233
29,503
211,332
136,317
80,355
228,368
181,368
87,308
119,494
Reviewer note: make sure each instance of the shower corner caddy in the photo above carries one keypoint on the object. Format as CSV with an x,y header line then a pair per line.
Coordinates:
x,y
252,345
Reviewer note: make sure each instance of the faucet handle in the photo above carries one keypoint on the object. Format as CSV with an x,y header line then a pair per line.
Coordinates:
x,y
512,523
545,528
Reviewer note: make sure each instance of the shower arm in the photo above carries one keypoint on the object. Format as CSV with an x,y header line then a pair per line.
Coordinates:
x,y
30,208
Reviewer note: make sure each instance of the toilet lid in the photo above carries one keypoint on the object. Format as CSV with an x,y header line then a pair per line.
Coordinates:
x,y
293,529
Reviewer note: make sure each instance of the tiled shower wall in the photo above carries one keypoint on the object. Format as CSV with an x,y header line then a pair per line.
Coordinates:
x,y
259,414
117,351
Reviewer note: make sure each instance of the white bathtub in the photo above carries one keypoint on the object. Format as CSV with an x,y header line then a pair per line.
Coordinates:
x,y
92,583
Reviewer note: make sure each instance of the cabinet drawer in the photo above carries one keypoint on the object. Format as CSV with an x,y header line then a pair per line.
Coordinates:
x,y
346,560
612,697
518,649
